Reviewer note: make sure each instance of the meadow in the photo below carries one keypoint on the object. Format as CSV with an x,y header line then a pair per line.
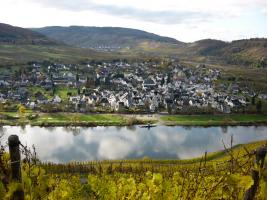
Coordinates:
x,y
214,120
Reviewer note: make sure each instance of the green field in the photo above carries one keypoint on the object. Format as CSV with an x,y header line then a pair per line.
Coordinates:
x,y
75,119
63,91
213,120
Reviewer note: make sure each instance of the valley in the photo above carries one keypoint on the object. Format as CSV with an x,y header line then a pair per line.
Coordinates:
x,y
121,113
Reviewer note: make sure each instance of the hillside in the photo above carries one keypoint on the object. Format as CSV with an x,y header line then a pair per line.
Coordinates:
x,y
251,52
103,38
246,52
19,46
16,35
22,54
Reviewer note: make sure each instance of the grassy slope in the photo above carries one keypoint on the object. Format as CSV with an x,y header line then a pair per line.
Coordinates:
x,y
20,54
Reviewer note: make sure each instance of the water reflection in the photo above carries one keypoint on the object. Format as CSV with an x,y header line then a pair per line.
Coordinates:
x,y
2,130
63,144
131,128
74,130
224,129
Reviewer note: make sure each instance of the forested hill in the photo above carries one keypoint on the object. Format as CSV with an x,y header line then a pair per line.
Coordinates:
x,y
239,52
103,37
61,43
16,35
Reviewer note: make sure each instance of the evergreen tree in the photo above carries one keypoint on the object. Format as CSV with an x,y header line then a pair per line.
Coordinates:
x,y
259,106
162,82
253,100
169,78
77,77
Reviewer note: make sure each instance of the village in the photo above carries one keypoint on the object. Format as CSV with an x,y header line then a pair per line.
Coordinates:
x,y
122,87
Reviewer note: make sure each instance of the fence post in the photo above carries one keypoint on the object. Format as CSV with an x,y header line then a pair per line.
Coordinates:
x,y
13,143
260,157
251,192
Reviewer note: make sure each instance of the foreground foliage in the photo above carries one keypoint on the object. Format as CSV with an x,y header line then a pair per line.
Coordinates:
x,y
224,175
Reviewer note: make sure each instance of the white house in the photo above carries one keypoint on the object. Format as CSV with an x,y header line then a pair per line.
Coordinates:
x,y
57,99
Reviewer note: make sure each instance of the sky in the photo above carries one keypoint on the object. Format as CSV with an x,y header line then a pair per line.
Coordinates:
x,y
184,20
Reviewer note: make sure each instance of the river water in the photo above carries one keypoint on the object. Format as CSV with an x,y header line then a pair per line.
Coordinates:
x,y
64,144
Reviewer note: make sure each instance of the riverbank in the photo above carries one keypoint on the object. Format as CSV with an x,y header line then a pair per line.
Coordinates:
x,y
214,120
69,119
90,120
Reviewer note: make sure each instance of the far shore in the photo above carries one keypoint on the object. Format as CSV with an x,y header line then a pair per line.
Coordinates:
x,y
91,120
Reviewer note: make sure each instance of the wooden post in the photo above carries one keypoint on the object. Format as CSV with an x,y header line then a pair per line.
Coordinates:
x,y
251,192
13,143
260,155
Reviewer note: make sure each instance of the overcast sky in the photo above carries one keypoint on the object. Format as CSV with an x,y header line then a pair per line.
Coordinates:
x,y
185,20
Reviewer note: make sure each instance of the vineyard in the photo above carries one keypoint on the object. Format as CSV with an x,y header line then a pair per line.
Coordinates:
x,y
237,172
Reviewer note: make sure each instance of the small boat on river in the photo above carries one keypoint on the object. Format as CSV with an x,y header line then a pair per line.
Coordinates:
x,y
148,126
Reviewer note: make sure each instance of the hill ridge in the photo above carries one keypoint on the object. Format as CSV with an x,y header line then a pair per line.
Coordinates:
x,y
17,35
101,37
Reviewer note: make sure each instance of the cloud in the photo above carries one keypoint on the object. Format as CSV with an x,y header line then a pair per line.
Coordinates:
x,y
170,17
262,4
114,148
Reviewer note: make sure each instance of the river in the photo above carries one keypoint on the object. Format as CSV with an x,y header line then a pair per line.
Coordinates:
x,y
64,144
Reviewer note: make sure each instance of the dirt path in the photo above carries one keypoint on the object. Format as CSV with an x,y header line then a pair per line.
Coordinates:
x,y
147,117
